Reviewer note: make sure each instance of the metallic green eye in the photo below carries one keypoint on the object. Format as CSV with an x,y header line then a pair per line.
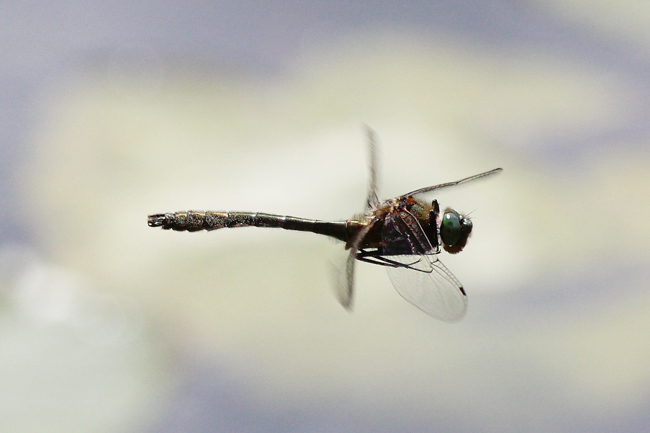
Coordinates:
x,y
450,228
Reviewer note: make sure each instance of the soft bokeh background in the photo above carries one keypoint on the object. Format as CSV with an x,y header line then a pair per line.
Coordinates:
x,y
113,111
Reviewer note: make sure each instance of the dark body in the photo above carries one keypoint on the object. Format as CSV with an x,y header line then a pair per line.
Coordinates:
x,y
345,231
404,234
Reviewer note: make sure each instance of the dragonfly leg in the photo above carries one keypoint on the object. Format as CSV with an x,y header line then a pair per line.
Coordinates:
x,y
376,258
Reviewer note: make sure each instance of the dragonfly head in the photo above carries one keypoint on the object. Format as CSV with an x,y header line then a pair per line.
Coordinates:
x,y
454,231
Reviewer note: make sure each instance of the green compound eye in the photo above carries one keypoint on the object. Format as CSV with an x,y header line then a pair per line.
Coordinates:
x,y
450,228
454,231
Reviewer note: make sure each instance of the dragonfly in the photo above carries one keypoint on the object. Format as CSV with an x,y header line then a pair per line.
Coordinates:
x,y
404,234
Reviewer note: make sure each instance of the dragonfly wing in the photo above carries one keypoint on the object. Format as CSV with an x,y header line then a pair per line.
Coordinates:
x,y
458,182
341,287
343,272
372,201
345,282
420,278
426,283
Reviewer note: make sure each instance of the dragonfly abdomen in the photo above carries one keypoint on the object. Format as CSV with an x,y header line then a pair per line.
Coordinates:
x,y
192,221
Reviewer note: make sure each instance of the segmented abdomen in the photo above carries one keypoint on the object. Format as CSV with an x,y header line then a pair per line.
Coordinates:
x,y
192,221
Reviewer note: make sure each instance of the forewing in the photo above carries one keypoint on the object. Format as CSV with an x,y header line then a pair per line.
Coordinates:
x,y
458,182
426,283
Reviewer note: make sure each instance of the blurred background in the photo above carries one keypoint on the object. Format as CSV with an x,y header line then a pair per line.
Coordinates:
x,y
112,111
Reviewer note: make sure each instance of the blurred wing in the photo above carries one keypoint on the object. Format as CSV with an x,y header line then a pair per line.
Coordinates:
x,y
341,287
426,283
345,280
372,201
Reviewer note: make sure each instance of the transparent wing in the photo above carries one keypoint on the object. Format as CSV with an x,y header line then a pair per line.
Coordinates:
x,y
421,279
426,283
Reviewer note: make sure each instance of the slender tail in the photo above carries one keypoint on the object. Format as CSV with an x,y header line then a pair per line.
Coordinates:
x,y
192,221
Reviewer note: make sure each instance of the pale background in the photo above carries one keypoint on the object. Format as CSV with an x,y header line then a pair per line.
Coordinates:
x,y
113,111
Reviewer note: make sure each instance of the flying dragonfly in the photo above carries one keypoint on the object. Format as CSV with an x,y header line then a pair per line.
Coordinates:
x,y
404,234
